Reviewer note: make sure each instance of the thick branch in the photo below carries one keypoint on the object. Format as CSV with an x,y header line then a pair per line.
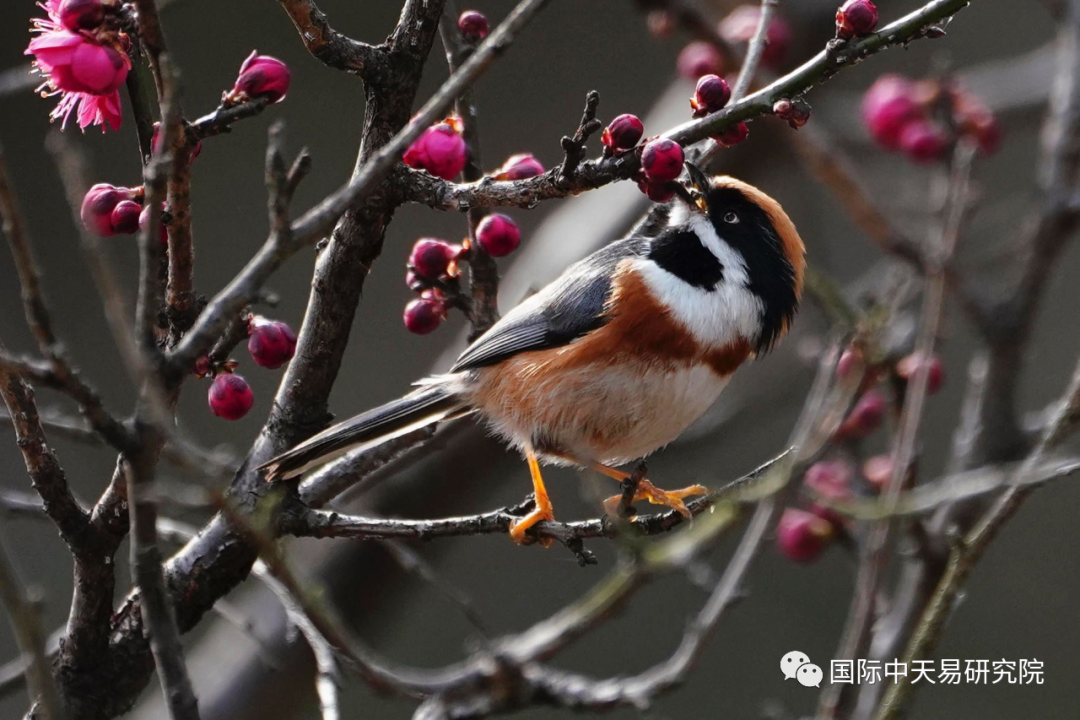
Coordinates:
x,y
333,48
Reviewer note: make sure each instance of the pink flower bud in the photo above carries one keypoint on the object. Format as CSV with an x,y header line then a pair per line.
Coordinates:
x,y
733,135
802,536
271,343
163,231
976,120
829,478
658,192
519,167
850,360
782,108
924,141
623,133
660,23
699,58
711,94
498,235
430,257
440,150
473,26
740,25
866,416
230,396
424,314
662,160
125,217
878,471
98,205
78,15
855,18
935,371
888,107
261,76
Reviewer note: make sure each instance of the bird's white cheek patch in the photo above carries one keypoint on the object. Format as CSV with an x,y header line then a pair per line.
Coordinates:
x,y
718,317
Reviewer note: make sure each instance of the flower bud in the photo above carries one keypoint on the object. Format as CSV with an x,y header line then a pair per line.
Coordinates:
x,y
271,343
424,314
125,217
733,135
850,360
865,418
878,471
430,257
699,58
76,15
163,231
888,107
498,235
440,150
660,23
473,26
658,192
98,205
831,480
623,133
935,371
519,167
740,26
976,120
261,76
230,396
855,18
802,536
924,141
711,94
662,160
798,114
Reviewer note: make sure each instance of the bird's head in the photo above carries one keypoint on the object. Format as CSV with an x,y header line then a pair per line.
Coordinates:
x,y
722,230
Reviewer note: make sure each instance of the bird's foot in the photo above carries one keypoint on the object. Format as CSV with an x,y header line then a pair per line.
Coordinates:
x,y
520,528
668,498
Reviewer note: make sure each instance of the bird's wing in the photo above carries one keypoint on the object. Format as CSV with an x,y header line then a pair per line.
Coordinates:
x,y
570,307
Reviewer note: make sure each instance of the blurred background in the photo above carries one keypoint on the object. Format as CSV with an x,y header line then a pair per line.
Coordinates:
x,y
1022,602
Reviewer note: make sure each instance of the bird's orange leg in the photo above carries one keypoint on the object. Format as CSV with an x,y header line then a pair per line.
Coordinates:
x,y
543,509
647,491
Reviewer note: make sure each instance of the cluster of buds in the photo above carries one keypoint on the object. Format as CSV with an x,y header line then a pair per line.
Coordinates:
x,y
108,210
440,150
701,58
271,343
803,534
434,269
83,56
855,18
924,119
261,76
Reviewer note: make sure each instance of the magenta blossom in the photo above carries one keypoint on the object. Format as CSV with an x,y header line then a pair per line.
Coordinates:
x,y
440,150
86,70
519,167
261,76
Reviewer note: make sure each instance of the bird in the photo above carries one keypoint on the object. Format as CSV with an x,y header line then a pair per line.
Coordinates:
x,y
617,356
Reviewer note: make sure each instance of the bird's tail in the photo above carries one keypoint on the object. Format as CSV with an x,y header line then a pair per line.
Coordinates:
x,y
422,407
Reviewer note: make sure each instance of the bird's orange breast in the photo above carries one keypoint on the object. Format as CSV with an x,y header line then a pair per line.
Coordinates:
x,y
599,389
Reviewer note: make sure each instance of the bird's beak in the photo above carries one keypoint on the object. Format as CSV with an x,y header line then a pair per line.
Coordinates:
x,y
695,187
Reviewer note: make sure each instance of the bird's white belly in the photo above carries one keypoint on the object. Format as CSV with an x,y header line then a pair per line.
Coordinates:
x,y
610,414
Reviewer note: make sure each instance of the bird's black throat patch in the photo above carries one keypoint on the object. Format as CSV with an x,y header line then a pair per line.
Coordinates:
x,y
682,254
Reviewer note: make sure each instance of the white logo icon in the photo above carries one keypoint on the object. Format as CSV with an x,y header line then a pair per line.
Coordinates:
x,y
797,665
809,675
790,663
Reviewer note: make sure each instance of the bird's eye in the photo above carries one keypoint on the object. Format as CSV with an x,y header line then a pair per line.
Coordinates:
x,y
731,218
